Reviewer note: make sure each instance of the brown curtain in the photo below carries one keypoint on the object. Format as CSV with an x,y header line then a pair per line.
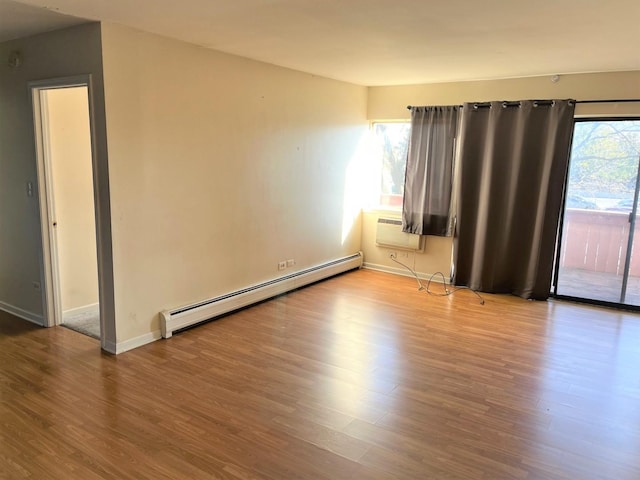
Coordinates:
x,y
429,175
513,161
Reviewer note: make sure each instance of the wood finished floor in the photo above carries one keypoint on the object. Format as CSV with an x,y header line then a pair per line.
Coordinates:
x,y
357,377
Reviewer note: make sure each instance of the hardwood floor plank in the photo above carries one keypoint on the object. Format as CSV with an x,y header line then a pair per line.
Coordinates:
x,y
361,376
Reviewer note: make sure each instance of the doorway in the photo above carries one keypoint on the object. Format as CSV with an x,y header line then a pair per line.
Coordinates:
x,y
66,188
598,258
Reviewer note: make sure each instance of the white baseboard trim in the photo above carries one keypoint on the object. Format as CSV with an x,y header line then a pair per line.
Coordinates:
x,y
121,347
19,312
404,272
92,308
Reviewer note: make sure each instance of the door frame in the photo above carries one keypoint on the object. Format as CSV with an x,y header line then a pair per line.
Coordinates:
x,y
50,278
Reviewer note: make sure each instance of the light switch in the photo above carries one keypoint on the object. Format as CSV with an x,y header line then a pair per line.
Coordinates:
x,y
29,189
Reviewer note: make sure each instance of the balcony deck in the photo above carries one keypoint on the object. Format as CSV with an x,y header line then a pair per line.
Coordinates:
x,y
593,256
575,282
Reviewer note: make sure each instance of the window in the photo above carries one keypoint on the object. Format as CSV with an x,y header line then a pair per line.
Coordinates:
x,y
392,141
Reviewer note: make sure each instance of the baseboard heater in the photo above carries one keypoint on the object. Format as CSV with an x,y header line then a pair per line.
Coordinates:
x,y
172,321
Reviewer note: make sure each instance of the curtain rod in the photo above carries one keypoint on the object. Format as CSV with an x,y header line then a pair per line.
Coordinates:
x,y
619,100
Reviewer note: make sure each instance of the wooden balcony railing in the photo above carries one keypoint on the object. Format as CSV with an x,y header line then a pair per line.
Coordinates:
x,y
596,241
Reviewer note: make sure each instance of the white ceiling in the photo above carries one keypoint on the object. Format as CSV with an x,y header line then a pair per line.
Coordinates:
x,y
18,20
384,42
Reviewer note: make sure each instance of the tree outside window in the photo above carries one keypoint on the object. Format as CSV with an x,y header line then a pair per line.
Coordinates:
x,y
604,163
393,143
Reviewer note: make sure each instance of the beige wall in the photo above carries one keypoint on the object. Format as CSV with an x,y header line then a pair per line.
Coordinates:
x,y
70,156
220,167
63,53
390,103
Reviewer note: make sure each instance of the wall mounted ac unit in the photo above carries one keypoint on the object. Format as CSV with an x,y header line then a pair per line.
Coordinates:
x,y
389,234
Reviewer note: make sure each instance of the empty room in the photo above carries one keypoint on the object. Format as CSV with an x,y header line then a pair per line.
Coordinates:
x,y
319,240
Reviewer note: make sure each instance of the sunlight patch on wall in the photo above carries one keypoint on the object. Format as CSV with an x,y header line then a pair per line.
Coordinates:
x,y
359,181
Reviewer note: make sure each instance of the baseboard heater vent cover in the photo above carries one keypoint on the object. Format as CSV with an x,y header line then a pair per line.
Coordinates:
x,y
172,321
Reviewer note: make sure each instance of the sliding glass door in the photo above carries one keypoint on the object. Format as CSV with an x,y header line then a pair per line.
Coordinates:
x,y
597,257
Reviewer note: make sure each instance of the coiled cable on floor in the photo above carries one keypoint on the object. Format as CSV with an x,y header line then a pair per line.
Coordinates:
x,y
427,288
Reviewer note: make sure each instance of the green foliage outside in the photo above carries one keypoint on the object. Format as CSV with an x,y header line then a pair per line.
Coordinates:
x,y
604,158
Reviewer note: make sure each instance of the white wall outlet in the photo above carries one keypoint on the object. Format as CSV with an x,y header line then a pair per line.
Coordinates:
x,y
291,262
393,254
282,265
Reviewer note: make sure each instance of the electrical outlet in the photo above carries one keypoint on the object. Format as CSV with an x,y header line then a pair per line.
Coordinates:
x,y
36,285
282,265
291,262
393,254
404,254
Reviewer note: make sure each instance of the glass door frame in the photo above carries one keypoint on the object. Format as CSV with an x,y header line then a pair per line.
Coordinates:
x,y
632,223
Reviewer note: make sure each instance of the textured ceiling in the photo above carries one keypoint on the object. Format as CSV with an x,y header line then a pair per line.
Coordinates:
x,y
390,42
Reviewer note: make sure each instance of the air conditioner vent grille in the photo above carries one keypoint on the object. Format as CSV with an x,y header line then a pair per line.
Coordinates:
x,y
389,234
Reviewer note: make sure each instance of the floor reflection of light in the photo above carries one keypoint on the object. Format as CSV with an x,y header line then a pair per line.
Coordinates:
x,y
362,340
589,383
